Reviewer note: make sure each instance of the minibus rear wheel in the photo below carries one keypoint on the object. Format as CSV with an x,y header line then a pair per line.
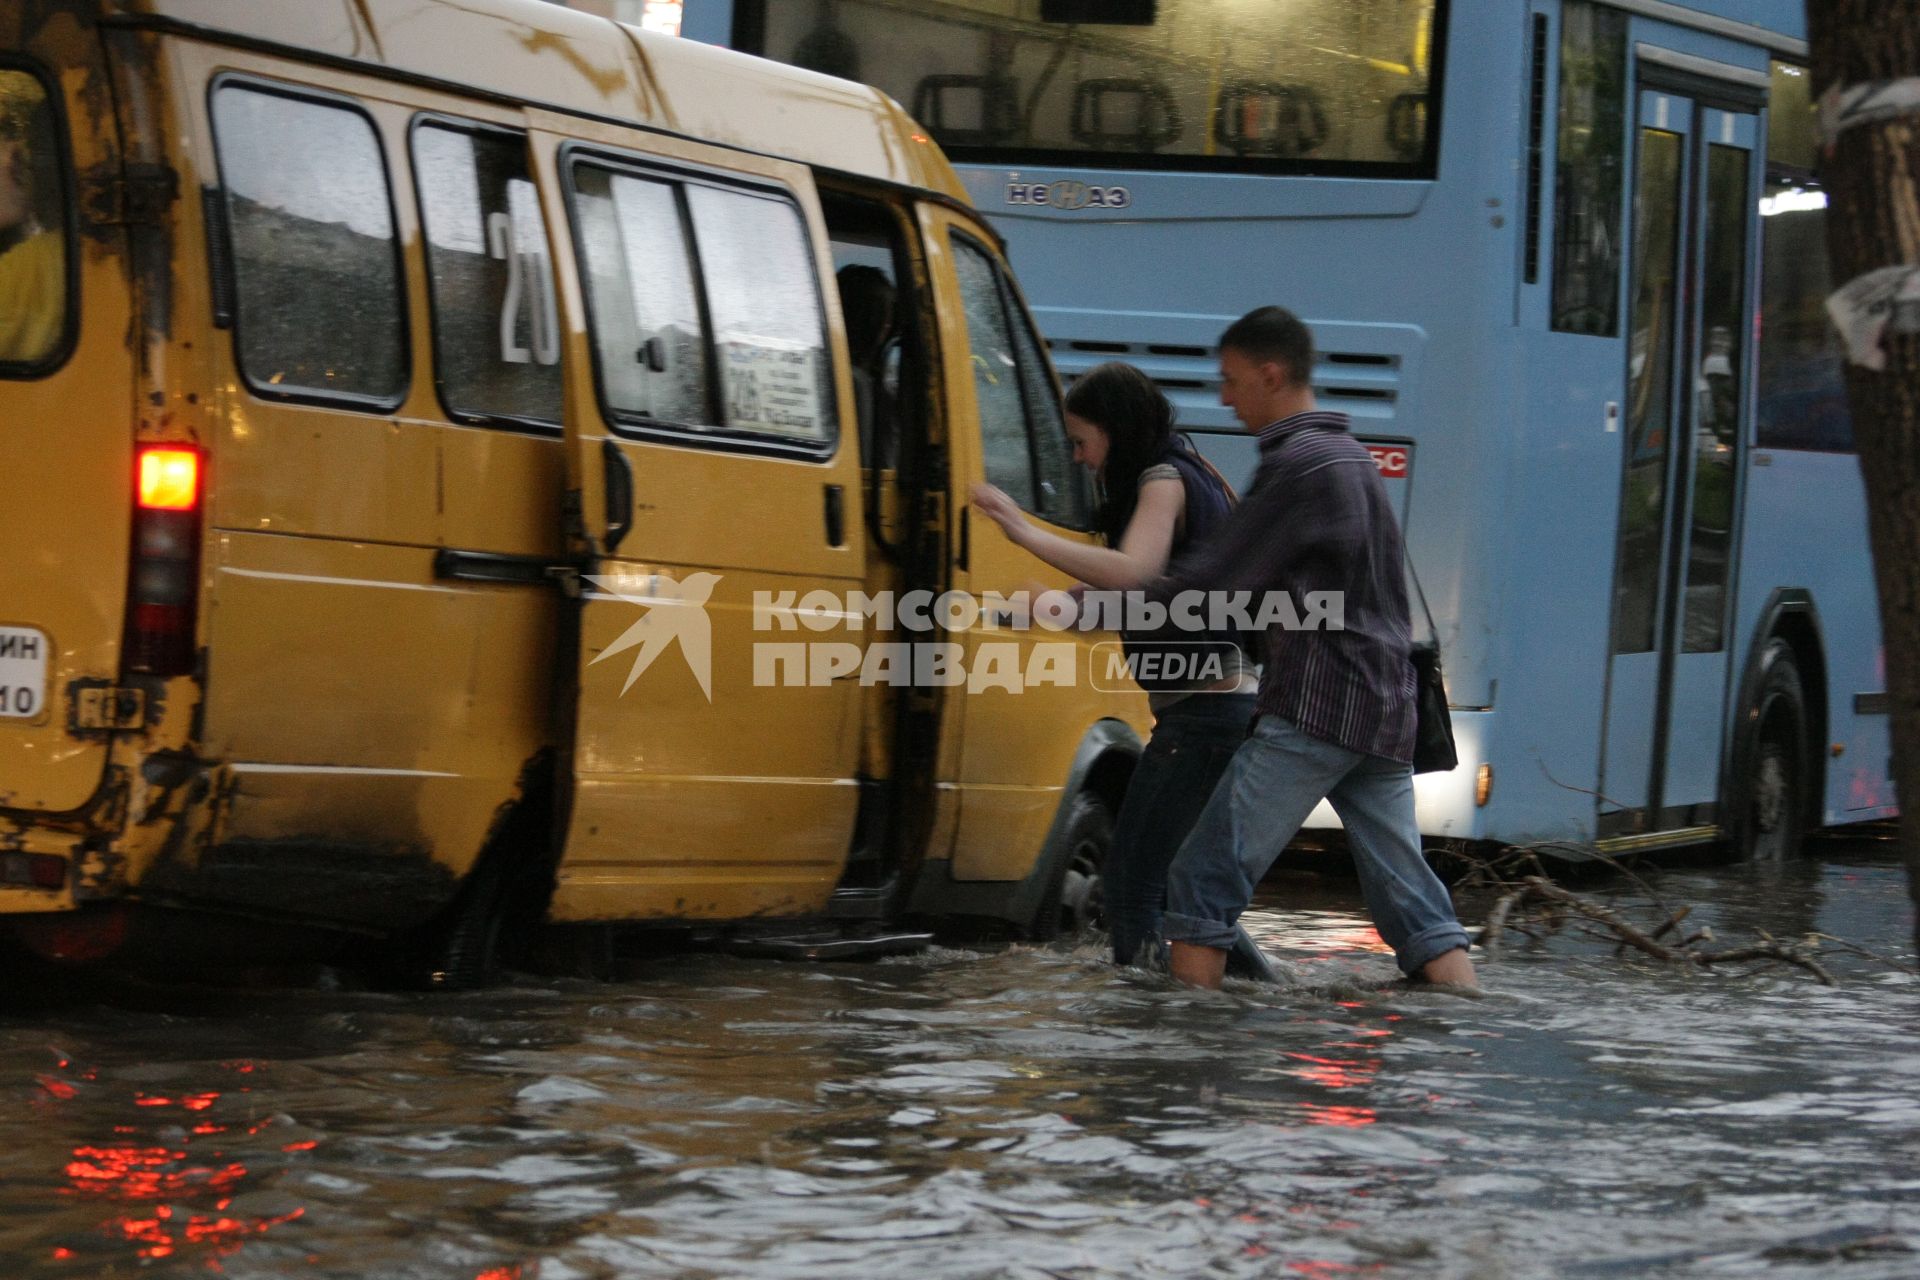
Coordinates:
x,y
459,949
1773,806
1072,903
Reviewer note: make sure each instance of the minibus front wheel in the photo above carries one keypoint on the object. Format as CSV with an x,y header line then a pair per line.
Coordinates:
x,y
1072,903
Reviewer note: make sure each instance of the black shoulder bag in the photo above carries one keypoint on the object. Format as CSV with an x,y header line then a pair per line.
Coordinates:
x,y
1433,749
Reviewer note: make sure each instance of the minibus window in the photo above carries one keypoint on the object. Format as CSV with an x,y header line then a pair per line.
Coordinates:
x,y
1065,496
317,278
496,325
769,326
646,314
33,253
996,378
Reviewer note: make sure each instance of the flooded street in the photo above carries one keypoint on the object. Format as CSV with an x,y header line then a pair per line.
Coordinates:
x,y
1019,1112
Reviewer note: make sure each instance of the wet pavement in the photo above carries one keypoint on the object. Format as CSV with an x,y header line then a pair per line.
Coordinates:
x,y
1010,1112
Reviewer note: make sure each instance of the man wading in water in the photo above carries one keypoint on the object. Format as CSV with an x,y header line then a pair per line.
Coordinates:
x,y
1336,705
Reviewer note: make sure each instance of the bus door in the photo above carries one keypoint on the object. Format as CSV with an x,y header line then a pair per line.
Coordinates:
x,y
1687,404
716,730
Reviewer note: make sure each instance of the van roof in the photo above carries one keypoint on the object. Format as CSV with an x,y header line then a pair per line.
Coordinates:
x,y
553,56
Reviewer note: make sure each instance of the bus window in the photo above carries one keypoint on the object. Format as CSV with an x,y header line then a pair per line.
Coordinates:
x,y
1803,394
1717,391
769,326
1593,139
1334,86
1021,432
646,313
33,257
496,327
316,272
1650,355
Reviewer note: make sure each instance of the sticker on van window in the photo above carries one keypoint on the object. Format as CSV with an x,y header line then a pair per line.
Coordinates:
x,y
23,672
772,385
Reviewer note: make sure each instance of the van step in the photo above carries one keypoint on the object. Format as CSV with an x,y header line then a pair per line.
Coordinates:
x,y
825,945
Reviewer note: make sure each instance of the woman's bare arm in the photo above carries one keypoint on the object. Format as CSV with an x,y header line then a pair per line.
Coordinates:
x,y
1141,556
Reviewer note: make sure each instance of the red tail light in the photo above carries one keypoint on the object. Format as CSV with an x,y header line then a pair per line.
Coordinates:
x,y
164,591
169,479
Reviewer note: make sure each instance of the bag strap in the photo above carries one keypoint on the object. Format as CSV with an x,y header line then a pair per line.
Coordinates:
x,y
1191,451
1432,630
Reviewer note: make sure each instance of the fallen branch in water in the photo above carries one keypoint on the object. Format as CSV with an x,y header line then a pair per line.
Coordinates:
x,y
1549,899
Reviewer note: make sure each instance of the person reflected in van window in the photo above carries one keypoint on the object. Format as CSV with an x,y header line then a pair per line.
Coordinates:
x,y
1161,500
866,304
32,257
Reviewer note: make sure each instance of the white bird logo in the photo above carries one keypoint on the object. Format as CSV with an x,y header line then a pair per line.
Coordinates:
x,y
674,611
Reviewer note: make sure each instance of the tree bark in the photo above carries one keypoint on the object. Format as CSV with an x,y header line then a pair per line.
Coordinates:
x,y
1873,221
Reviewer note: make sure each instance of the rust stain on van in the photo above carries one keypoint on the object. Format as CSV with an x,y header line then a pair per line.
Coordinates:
x,y
607,80
151,189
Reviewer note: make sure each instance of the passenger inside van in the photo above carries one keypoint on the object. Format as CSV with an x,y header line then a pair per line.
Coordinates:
x,y
32,258
866,301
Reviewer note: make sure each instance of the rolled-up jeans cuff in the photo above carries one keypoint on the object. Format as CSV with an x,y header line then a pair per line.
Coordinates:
x,y
1428,945
1201,933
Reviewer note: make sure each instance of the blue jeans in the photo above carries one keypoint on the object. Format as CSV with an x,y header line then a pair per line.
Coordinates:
x,y
1193,742
1276,778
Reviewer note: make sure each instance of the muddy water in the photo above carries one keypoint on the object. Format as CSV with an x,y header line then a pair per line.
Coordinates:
x,y
1001,1113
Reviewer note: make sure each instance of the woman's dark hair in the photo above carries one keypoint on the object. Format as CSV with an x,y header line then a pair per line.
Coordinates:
x,y
1138,420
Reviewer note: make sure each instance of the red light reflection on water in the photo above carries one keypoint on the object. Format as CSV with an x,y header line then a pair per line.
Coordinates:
x,y
158,1177
1344,1072
146,1173
1335,1073
1339,1117
191,1101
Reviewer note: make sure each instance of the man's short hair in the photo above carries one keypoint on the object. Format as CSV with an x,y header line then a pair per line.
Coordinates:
x,y
1273,335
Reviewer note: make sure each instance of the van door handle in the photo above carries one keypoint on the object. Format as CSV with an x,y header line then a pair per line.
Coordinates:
x,y
836,516
505,568
619,486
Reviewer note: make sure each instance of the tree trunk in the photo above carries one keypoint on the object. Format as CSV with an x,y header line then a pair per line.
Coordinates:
x,y
1873,221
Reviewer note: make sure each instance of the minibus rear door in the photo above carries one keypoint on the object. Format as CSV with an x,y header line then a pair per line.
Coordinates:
x,y
66,415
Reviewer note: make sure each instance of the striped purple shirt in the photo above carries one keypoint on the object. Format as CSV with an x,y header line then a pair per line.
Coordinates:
x,y
1317,519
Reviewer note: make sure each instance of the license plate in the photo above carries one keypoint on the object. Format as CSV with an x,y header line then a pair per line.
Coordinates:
x,y
23,672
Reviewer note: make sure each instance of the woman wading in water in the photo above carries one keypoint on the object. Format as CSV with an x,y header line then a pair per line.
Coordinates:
x,y
1160,500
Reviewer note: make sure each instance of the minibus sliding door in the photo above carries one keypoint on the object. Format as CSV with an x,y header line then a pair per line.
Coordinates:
x,y
716,730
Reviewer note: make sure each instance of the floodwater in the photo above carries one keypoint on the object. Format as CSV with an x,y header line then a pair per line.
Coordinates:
x,y
1012,1112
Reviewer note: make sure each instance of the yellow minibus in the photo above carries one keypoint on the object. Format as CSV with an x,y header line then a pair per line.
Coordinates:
x,y
469,464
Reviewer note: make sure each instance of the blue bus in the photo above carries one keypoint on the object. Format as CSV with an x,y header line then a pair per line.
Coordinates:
x,y
1564,263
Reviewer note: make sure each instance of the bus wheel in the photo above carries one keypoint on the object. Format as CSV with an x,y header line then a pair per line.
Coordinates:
x,y
1772,814
1073,901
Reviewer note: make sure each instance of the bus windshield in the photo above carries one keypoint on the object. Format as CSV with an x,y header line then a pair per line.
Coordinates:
x,y
1298,86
